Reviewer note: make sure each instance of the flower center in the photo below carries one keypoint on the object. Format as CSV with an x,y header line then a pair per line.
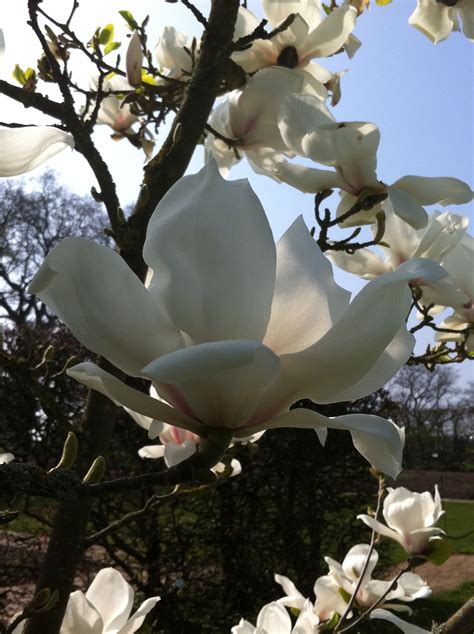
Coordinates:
x,y
288,57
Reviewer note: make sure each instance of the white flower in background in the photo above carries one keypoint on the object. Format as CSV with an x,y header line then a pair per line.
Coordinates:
x,y
5,458
174,55
233,329
401,242
459,263
332,591
438,18
410,518
113,112
310,131
406,628
2,44
23,149
310,35
179,444
249,117
106,607
274,619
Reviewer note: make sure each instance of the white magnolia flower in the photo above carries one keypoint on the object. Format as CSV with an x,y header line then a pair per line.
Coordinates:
x,y
23,149
274,619
406,628
174,55
438,18
310,131
459,263
113,111
333,590
310,35
233,329
401,242
5,458
104,609
410,518
249,117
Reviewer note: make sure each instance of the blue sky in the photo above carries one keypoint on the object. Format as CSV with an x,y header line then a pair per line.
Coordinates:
x,y
420,96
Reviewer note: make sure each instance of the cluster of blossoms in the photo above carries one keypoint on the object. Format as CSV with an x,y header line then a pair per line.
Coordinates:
x,y
232,329
348,589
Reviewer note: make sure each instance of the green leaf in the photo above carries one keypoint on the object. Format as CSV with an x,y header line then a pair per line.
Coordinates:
x,y
383,3
129,19
29,73
327,9
107,34
330,625
111,46
439,551
19,75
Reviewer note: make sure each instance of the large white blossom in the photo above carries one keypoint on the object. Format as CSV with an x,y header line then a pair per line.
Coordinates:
x,y
310,35
437,19
410,518
233,329
401,242
106,607
310,131
23,149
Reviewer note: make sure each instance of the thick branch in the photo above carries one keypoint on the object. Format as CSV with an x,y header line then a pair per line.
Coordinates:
x,y
461,622
171,162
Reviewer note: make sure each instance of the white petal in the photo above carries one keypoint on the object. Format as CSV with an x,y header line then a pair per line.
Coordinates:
x,y
352,45
380,528
245,24
362,262
309,10
23,149
407,628
331,34
298,117
95,378
433,19
273,619
112,597
328,598
5,458
304,287
432,190
296,598
152,452
307,622
307,179
176,453
244,627
221,381
407,208
377,439
137,619
101,300
466,11
81,616
354,562
413,587
387,365
215,260
324,371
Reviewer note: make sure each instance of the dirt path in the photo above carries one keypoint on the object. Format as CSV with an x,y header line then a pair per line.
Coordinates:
x,y
457,570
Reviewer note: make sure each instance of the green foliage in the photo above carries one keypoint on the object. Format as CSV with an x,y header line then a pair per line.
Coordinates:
x,y
106,35
129,19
